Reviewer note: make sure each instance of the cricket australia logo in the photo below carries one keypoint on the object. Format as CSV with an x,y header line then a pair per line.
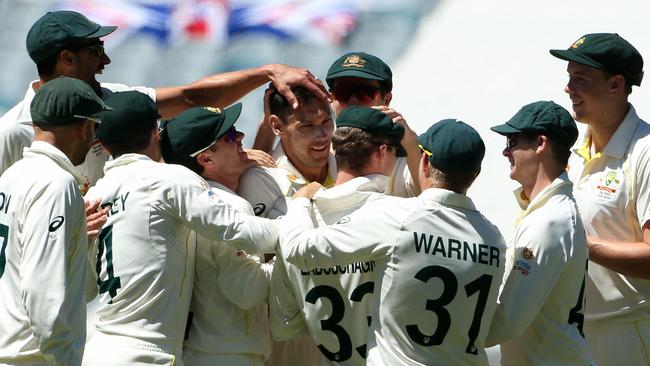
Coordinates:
x,y
343,220
354,61
578,43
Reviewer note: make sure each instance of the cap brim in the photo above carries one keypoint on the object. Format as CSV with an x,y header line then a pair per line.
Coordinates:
x,y
352,73
571,55
505,129
231,115
102,31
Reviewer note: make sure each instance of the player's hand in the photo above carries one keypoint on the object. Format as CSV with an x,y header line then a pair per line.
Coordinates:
x,y
285,77
95,219
308,191
410,137
260,158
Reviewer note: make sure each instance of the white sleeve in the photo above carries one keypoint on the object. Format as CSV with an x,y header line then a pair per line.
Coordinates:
x,y
286,319
353,238
259,188
53,271
212,217
13,139
642,183
241,279
539,260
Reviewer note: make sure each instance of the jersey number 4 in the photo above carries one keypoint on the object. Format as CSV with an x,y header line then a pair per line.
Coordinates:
x,y
450,282
338,311
112,283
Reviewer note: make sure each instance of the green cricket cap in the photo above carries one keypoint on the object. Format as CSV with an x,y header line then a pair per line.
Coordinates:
x,y
57,29
453,146
63,101
607,51
132,112
194,130
360,65
373,121
545,118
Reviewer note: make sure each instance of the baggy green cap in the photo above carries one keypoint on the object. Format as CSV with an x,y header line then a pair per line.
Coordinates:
x,y
453,146
196,129
546,118
360,65
63,101
373,121
54,30
132,112
607,51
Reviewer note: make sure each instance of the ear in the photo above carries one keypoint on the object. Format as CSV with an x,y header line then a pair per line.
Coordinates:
x,y
276,124
617,85
203,159
387,98
67,57
542,144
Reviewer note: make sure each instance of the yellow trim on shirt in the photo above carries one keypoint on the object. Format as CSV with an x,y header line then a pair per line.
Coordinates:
x,y
585,150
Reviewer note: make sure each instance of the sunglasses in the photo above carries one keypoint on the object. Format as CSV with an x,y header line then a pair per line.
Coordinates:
x,y
95,48
365,93
230,135
513,140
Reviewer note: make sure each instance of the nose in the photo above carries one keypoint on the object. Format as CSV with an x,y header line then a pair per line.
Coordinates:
x,y
240,136
506,152
105,59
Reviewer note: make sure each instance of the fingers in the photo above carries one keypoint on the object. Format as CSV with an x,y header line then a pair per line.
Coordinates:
x,y
316,86
260,158
393,114
91,206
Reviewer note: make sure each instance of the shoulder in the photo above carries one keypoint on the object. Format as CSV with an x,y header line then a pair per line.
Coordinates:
x,y
110,88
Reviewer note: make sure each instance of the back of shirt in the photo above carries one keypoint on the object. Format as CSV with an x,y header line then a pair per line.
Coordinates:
x,y
440,288
335,301
43,264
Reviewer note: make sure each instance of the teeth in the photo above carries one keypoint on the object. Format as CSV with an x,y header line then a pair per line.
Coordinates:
x,y
318,147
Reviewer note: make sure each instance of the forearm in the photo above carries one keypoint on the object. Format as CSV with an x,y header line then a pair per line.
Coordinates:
x,y
264,138
413,158
627,258
218,90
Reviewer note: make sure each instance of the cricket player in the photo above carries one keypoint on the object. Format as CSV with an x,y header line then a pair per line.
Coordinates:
x,y
146,251
362,79
439,261
610,167
43,241
228,323
334,303
302,156
539,317
67,43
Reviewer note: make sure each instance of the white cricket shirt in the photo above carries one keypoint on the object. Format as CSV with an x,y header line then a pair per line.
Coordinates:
x,y
439,264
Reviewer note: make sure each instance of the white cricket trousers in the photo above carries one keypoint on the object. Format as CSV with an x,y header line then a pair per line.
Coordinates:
x,y
107,350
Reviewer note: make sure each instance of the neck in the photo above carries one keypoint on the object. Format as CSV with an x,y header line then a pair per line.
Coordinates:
x,y
343,176
602,128
543,179
229,180
63,144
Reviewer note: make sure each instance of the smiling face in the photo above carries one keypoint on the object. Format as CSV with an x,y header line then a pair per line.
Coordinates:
x,y
588,88
520,151
306,135
226,158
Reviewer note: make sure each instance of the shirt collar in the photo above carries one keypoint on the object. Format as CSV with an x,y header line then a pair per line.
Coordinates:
x,y
618,144
561,184
448,198
125,160
283,162
41,148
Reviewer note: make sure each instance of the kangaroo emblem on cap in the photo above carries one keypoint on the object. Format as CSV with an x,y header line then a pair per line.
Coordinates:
x,y
578,43
213,109
354,61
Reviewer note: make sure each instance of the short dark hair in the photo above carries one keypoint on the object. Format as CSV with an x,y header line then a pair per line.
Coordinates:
x,y
628,84
458,182
47,66
281,107
353,147
131,141
560,149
